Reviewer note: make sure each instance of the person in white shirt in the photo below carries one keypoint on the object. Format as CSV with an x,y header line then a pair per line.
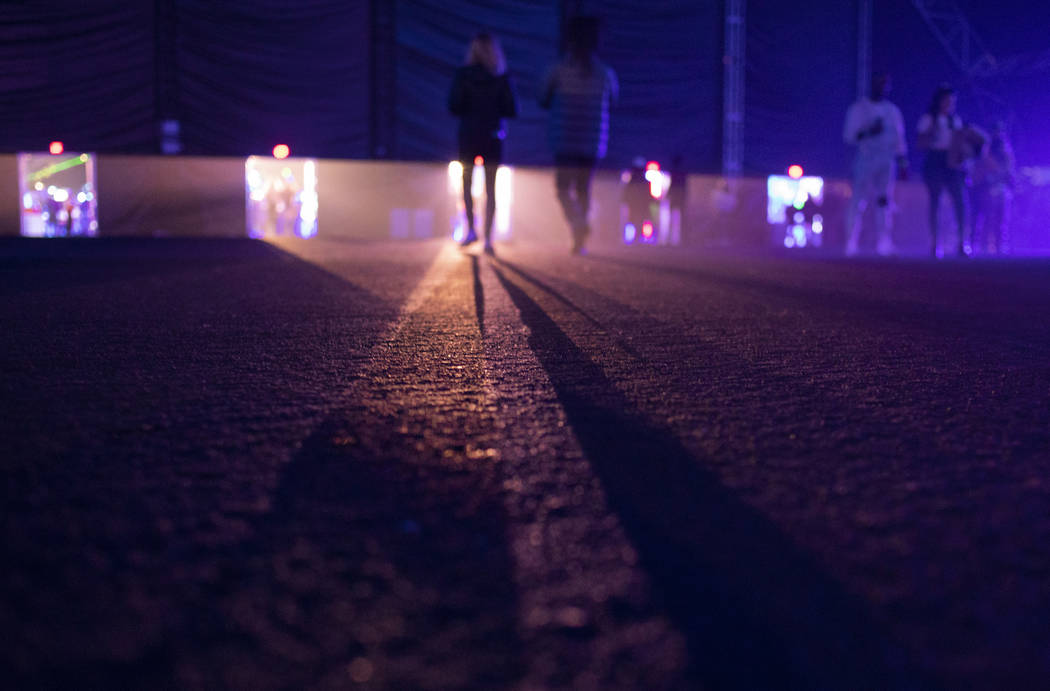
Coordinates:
x,y
936,130
875,126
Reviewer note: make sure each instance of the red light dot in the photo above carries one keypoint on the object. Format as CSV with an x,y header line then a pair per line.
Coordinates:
x,y
795,171
479,161
647,229
56,147
281,151
652,165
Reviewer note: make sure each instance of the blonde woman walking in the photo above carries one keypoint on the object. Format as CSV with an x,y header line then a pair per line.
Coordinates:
x,y
481,97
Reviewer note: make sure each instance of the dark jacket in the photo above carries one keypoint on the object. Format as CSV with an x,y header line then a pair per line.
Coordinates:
x,y
481,100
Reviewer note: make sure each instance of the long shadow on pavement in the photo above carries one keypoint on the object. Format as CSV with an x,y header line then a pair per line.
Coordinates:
x,y
479,293
123,533
398,568
382,561
757,611
560,297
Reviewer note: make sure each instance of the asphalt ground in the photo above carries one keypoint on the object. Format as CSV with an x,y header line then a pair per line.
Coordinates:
x,y
321,464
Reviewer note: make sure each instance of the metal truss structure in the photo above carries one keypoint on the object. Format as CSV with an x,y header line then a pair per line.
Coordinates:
x,y
983,71
965,47
1021,64
954,32
735,62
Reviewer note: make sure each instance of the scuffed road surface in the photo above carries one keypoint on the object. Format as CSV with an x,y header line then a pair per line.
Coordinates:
x,y
371,465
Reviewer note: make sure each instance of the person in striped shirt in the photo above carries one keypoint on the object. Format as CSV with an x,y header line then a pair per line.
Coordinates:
x,y
578,91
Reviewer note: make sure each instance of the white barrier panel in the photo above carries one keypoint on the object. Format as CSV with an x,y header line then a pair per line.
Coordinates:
x,y
186,196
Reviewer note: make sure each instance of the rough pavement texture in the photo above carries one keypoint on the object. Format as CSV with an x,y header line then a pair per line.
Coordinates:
x,y
229,464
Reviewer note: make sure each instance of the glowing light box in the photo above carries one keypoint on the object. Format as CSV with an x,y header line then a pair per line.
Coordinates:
x,y
280,197
58,196
794,210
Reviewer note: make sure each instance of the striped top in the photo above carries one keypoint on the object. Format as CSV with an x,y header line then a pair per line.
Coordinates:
x,y
579,97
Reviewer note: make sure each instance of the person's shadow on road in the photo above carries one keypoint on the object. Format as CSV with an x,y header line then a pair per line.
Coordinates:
x,y
757,611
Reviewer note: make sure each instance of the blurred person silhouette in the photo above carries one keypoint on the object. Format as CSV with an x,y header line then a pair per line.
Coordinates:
x,y
283,203
936,130
481,96
637,198
55,226
994,178
578,91
676,199
875,127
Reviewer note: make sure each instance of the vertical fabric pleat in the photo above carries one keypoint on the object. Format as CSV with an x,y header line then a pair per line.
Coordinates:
x,y
255,74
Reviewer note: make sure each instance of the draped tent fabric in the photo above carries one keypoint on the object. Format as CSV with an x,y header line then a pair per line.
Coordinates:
x,y
254,74
241,76
668,57
247,75
81,73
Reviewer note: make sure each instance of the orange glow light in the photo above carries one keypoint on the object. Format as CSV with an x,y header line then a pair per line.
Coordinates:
x,y
479,161
56,148
281,151
795,171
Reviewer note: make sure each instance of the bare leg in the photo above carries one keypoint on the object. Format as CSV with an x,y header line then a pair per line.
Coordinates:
x,y
994,223
490,201
883,182
934,187
581,182
563,181
854,214
468,198
884,225
858,203
957,193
